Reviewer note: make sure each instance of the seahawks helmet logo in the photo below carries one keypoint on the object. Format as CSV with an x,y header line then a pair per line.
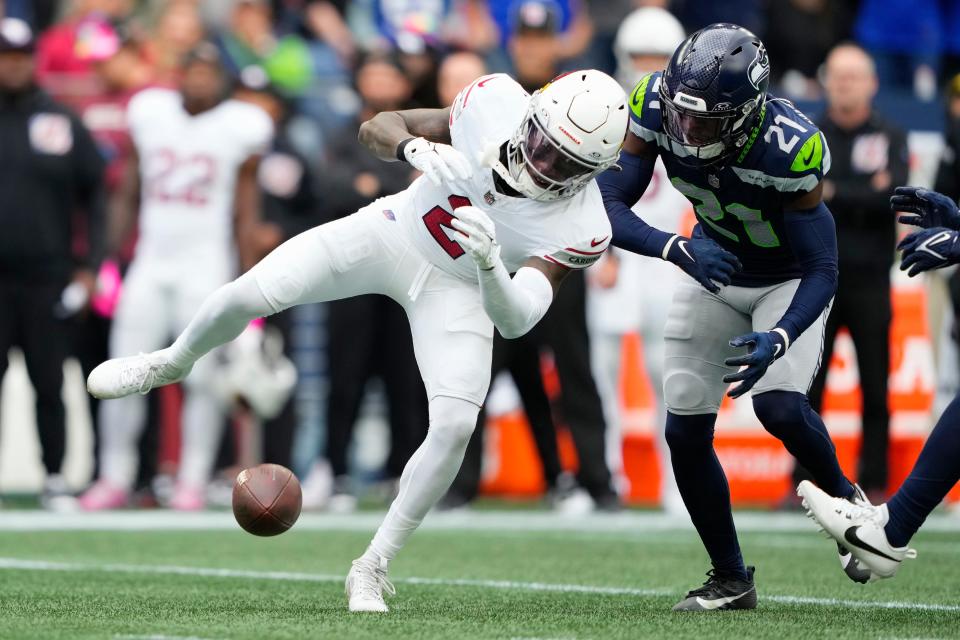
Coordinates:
x,y
759,69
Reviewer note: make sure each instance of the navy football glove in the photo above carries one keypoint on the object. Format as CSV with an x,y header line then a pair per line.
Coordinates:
x,y
929,249
704,260
763,349
931,209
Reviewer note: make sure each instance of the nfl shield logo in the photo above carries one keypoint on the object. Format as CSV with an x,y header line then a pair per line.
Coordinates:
x,y
714,181
488,197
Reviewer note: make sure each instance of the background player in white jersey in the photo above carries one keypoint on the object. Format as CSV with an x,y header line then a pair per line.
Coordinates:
x,y
508,188
627,292
195,177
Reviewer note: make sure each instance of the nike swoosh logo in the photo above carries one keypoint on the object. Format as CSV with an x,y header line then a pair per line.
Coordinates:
x,y
720,602
776,349
927,245
813,150
597,243
850,535
683,247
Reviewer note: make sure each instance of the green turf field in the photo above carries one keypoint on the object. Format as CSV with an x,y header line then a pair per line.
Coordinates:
x,y
477,576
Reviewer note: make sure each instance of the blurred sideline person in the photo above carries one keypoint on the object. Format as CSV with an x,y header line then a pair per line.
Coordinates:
x,y
367,336
870,155
629,293
50,170
194,174
503,191
535,55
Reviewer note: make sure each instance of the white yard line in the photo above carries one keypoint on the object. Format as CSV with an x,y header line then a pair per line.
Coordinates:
x,y
628,522
43,565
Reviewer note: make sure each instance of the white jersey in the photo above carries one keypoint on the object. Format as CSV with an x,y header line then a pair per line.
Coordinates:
x,y
188,172
573,232
641,281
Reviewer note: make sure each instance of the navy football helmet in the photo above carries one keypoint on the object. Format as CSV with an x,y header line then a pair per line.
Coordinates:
x,y
713,89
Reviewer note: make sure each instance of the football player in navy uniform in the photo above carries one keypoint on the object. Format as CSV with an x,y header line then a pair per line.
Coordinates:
x,y
878,536
763,263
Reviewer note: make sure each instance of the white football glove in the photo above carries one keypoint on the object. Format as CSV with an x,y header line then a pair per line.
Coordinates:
x,y
478,236
437,161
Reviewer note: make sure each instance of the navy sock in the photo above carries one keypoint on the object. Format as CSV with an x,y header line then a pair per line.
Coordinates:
x,y
936,471
704,488
788,416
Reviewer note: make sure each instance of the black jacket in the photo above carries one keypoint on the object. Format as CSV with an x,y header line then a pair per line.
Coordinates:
x,y
51,190
866,228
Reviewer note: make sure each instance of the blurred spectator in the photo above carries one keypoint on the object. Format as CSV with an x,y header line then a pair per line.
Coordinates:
x,y
948,173
644,43
395,18
50,169
800,33
121,71
368,336
250,40
869,158
607,16
567,19
419,56
194,180
321,20
905,40
39,14
696,14
456,72
178,29
534,53
628,293
63,52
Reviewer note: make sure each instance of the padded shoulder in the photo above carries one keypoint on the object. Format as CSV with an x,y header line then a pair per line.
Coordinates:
x,y
645,120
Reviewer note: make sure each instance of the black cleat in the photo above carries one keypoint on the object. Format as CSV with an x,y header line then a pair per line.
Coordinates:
x,y
721,592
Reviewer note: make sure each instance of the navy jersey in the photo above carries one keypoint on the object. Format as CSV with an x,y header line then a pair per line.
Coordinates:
x,y
740,203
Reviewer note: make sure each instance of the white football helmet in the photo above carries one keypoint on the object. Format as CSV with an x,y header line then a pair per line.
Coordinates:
x,y
649,31
572,131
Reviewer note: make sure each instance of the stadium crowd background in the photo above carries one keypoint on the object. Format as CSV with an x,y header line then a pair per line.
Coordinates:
x,y
323,66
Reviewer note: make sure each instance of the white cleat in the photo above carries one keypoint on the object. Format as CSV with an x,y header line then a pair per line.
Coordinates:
x,y
857,526
365,585
122,377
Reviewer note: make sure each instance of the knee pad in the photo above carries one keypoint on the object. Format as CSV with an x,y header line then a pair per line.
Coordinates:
x,y
689,430
685,392
780,411
243,297
452,420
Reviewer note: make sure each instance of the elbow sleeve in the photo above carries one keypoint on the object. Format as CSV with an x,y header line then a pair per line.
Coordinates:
x,y
515,305
813,238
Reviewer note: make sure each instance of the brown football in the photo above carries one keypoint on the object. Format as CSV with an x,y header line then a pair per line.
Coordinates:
x,y
266,499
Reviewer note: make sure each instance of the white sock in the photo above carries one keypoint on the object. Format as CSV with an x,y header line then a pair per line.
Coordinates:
x,y
427,475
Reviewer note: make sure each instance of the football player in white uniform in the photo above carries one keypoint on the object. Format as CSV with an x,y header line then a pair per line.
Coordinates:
x,y
194,174
508,187
628,293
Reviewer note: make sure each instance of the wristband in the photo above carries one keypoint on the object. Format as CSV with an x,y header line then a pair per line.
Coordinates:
x,y
401,147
